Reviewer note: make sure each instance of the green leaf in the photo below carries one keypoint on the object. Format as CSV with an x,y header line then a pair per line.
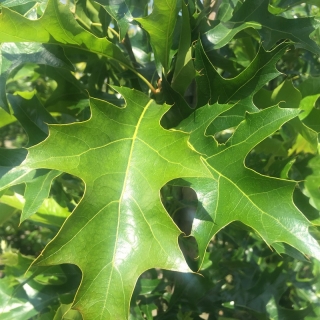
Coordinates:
x,y
123,219
36,191
66,313
32,116
6,118
56,26
287,96
312,183
10,171
237,193
255,14
211,87
49,212
160,26
130,168
214,88
13,55
14,304
120,12
310,94
184,71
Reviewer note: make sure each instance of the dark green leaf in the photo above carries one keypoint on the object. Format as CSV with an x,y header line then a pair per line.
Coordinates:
x,y
272,29
13,55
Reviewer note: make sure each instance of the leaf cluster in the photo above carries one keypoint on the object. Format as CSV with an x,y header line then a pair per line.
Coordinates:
x,y
159,160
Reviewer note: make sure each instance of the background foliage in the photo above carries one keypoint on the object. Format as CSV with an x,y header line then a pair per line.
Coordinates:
x,y
146,142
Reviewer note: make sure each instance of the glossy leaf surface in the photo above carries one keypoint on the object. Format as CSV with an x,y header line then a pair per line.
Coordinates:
x,y
112,127
116,212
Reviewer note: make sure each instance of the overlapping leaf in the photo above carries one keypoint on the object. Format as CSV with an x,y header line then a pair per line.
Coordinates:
x,y
125,157
212,87
310,91
237,193
160,26
118,10
131,157
56,26
255,14
287,96
312,183
13,55
184,71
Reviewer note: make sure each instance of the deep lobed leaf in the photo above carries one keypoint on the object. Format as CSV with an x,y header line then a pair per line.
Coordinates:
x,y
212,87
121,212
120,227
235,192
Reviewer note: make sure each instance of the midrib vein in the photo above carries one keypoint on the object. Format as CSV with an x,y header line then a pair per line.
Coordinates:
x,y
134,137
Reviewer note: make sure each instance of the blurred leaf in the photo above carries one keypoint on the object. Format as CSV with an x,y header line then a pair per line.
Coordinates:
x,y
287,4
6,212
5,118
37,190
13,55
13,3
255,14
160,25
14,303
310,90
9,159
231,190
312,183
283,248
56,26
147,310
286,95
184,71
119,11
66,313
49,212
33,117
